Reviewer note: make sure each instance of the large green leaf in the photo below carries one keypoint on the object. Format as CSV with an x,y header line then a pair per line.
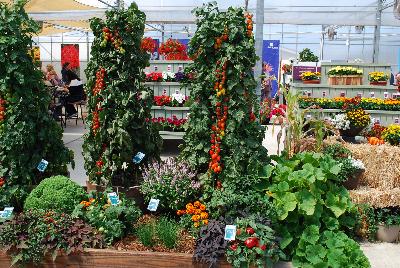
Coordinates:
x,y
306,201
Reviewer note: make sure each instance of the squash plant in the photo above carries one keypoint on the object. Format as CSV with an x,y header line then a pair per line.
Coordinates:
x,y
27,133
223,136
119,103
306,191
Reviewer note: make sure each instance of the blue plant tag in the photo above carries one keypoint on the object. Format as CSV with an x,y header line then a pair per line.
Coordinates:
x,y
114,200
230,232
42,165
153,204
6,213
138,158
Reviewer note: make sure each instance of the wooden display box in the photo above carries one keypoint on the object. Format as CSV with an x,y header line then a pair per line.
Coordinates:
x,y
354,80
107,258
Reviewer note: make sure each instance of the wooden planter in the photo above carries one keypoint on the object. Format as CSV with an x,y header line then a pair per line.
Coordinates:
x,y
378,83
311,81
105,258
345,80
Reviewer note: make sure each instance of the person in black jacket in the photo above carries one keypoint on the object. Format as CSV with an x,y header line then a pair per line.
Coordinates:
x,y
75,93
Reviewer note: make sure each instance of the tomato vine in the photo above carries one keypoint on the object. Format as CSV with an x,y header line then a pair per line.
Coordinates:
x,y
119,103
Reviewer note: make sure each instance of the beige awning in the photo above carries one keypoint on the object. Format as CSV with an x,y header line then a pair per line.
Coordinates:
x,y
49,5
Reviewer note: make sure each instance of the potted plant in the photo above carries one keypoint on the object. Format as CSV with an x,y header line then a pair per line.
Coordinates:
x,y
391,134
278,111
311,77
265,111
388,225
306,55
340,75
378,78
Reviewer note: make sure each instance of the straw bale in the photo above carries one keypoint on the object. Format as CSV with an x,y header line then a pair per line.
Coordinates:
x,y
376,198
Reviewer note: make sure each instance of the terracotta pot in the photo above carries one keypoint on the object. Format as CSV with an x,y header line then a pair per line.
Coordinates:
x,y
378,83
353,181
311,81
388,234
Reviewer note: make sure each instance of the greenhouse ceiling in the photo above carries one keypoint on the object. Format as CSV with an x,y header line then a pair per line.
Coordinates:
x,y
305,12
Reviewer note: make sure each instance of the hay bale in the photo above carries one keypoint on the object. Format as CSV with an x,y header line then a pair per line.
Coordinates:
x,y
382,165
376,198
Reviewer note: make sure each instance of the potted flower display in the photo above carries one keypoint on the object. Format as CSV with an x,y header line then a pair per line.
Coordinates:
x,y
378,78
340,75
265,111
278,111
311,77
388,225
353,119
391,134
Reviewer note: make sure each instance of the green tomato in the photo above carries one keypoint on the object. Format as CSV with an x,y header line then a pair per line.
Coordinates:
x,y
101,215
101,229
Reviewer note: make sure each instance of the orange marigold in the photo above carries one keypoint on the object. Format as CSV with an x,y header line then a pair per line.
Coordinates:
x,y
203,207
197,204
205,222
196,224
204,215
189,206
198,211
195,218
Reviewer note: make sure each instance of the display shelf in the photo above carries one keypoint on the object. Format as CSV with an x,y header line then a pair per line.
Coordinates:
x,y
366,67
162,65
350,91
385,117
166,111
167,88
171,135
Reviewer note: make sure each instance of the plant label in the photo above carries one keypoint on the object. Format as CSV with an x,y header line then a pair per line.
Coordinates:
x,y
138,157
155,68
386,95
359,94
308,93
377,121
114,199
342,94
308,116
153,204
6,213
230,232
42,165
323,94
396,120
372,94
169,68
180,68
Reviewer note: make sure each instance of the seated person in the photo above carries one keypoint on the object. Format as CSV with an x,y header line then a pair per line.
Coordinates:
x,y
52,76
76,93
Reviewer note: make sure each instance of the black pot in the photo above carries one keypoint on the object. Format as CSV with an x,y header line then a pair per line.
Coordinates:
x,y
353,181
352,132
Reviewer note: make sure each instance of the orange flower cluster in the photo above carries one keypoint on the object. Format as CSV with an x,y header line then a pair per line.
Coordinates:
x,y
88,203
198,212
249,22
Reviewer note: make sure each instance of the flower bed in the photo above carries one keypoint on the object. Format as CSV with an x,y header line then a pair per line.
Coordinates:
x,y
169,124
337,103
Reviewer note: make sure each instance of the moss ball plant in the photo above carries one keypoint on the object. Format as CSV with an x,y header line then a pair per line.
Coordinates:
x,y
56,193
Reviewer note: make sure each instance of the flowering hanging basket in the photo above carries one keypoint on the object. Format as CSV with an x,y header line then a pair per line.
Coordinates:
x,y
173,50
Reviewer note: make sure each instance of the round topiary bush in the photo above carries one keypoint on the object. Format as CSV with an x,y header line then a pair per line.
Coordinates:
x,y
56,193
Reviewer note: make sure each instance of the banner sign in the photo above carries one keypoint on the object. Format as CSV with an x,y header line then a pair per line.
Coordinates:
x,y
270,61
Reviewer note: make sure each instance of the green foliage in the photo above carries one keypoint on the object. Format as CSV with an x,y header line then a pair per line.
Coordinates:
x,y
145,233
306,55
31,235
123,104
27,132
114,222
304,191
328,249
255,245
171,181
167,232
57,193
240,141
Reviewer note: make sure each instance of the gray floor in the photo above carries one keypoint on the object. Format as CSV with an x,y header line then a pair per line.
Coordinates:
x,y
381,255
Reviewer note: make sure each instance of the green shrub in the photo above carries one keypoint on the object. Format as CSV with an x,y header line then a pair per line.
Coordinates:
x,y
145,233
56,193
167,231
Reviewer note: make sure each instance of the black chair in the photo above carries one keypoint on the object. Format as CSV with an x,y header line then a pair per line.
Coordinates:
x,y
77,99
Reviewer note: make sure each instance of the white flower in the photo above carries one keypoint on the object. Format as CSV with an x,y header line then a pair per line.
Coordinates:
x,y
179,97
358,164
340,122
168,75
124,166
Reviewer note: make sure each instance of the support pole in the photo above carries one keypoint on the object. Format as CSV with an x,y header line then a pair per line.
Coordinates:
x,y
377,32
322,44
259,45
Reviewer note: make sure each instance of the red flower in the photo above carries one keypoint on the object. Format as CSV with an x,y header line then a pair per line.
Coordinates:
x,y
148,44
173,50
70,53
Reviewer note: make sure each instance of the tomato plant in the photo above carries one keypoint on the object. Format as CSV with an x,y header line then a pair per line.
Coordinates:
x,y
118,101
27,133
223,138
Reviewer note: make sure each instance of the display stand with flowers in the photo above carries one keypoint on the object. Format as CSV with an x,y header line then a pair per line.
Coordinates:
x,y
311,77
378,78
345,76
